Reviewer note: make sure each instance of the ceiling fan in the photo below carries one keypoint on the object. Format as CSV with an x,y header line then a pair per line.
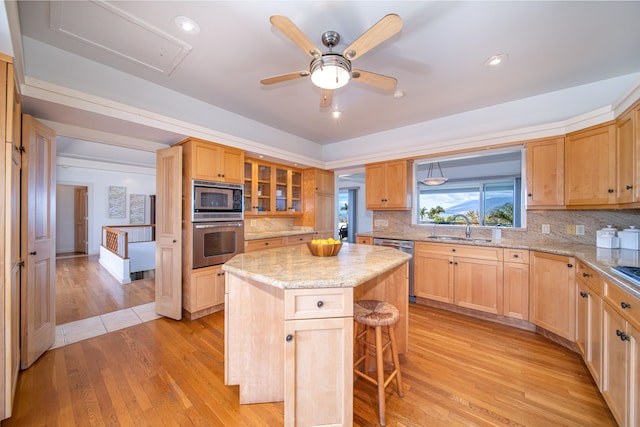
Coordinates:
x,y
332,70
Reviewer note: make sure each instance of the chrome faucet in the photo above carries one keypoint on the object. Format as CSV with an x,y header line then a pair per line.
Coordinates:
x,y
467,231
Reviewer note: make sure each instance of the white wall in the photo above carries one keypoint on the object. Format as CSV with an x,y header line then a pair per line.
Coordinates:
x,y
65,239
98,181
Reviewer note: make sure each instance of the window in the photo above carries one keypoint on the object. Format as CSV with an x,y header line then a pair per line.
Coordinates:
x,y
485,188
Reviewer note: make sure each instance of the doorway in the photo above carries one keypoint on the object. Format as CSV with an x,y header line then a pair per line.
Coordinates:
x,y
72,220
347,214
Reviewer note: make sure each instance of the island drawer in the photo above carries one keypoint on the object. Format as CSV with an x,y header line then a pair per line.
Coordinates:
x,y
521,256
624,303
318,303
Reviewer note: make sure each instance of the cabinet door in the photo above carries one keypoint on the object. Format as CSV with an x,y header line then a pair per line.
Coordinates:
x,y
516,290
625,158
295,197
590,166
545,173
318,372
634,378
478,284
552,299
324,213
204,161
434,276
375,186
231,164
582,318
207,288
396,182
614,373
324,181
282,194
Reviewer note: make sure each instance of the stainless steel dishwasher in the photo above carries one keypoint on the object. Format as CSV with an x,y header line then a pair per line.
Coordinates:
x,y
403,246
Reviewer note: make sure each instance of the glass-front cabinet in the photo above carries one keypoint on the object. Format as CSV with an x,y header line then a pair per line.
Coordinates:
x,y
271,189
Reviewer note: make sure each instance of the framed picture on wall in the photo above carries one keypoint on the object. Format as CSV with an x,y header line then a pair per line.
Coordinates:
x,y
117,202
137,205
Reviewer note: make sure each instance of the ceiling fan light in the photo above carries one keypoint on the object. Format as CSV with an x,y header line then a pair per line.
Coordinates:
x,y
330,71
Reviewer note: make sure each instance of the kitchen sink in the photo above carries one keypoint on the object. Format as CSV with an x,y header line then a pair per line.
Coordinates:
x,y
463,239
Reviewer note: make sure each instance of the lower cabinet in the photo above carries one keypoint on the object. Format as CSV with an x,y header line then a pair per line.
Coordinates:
x,y
318,330
589,328
516,284
552,303
467,276
621,355
207,288
277,242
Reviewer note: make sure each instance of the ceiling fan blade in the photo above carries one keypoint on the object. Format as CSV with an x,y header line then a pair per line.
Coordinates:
x,y
284,77
326,98
290,30
373,79
379,32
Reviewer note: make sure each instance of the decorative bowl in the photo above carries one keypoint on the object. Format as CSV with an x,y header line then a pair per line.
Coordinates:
x,y
324,249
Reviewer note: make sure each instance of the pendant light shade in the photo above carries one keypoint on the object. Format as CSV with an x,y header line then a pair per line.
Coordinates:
x,y
434,180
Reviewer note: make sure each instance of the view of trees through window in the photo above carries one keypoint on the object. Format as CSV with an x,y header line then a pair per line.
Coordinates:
x,y
486,201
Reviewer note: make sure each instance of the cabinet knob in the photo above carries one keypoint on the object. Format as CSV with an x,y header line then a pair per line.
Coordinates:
x,y
584,294
586,275
610,190
289,338
453,250
625,305
516,255
530,195
450,262
570,265
320,304
36,253
629,187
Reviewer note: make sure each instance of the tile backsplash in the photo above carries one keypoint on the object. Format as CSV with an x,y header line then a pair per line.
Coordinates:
x,y
400,222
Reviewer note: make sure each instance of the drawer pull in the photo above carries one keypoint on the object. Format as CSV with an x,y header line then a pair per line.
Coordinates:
x,y
320,304
629,187
587,275
584,294
622,335
289,338
625,305
516,255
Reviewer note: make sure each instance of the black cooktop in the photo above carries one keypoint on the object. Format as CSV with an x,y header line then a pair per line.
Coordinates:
x,y
629,273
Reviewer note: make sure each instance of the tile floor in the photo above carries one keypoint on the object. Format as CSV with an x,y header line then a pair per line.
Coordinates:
x,y
98,325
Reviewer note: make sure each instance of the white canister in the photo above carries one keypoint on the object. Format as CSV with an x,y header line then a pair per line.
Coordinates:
x,y
630,238
606,238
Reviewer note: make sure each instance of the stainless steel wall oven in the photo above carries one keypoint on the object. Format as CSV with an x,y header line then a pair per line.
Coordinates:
x,y
216,242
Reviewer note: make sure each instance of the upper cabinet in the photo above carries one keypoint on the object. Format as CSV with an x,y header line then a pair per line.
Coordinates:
x,y
545,173
319,202
271,189
627,190
389,185
208,161
590,166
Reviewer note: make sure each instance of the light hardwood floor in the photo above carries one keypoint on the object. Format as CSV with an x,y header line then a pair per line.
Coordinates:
x,y
459,371
85,289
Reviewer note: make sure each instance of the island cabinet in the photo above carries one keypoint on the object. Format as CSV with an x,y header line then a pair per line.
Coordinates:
x,y
590,166
364,240
389,185
589,318
464,275
552,299
318,202
545,173
271,189
318,329
516,283
208,161
621,354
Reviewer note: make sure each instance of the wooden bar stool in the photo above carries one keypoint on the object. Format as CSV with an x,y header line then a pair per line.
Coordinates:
x,y
372,314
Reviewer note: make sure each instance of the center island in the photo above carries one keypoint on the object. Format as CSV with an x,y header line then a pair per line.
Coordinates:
x,y
288,332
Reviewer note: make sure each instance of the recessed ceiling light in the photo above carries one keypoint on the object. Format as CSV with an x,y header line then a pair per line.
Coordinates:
x,y
496,60
187,24
336,114
399,93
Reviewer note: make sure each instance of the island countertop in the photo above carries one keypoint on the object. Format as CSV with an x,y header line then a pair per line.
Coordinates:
x,y
293,267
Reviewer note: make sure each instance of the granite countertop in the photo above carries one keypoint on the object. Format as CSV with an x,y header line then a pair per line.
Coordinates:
x,y
293,267
272,234
600,259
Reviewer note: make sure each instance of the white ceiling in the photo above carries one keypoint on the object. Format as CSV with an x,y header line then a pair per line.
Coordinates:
x,y
437,57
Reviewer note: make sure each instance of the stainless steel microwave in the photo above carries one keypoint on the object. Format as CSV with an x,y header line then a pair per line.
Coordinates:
x,y
217,201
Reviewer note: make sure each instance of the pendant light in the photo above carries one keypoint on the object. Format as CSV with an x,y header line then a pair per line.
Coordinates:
x,y
434,180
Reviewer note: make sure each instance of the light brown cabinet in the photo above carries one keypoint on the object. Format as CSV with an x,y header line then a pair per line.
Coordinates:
x,y
212,162
206,289
318,202
626,189
552,303
516,283
318,331
277,242
590,166
589,319
271,189
364,240
466,276
389,185
545,173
